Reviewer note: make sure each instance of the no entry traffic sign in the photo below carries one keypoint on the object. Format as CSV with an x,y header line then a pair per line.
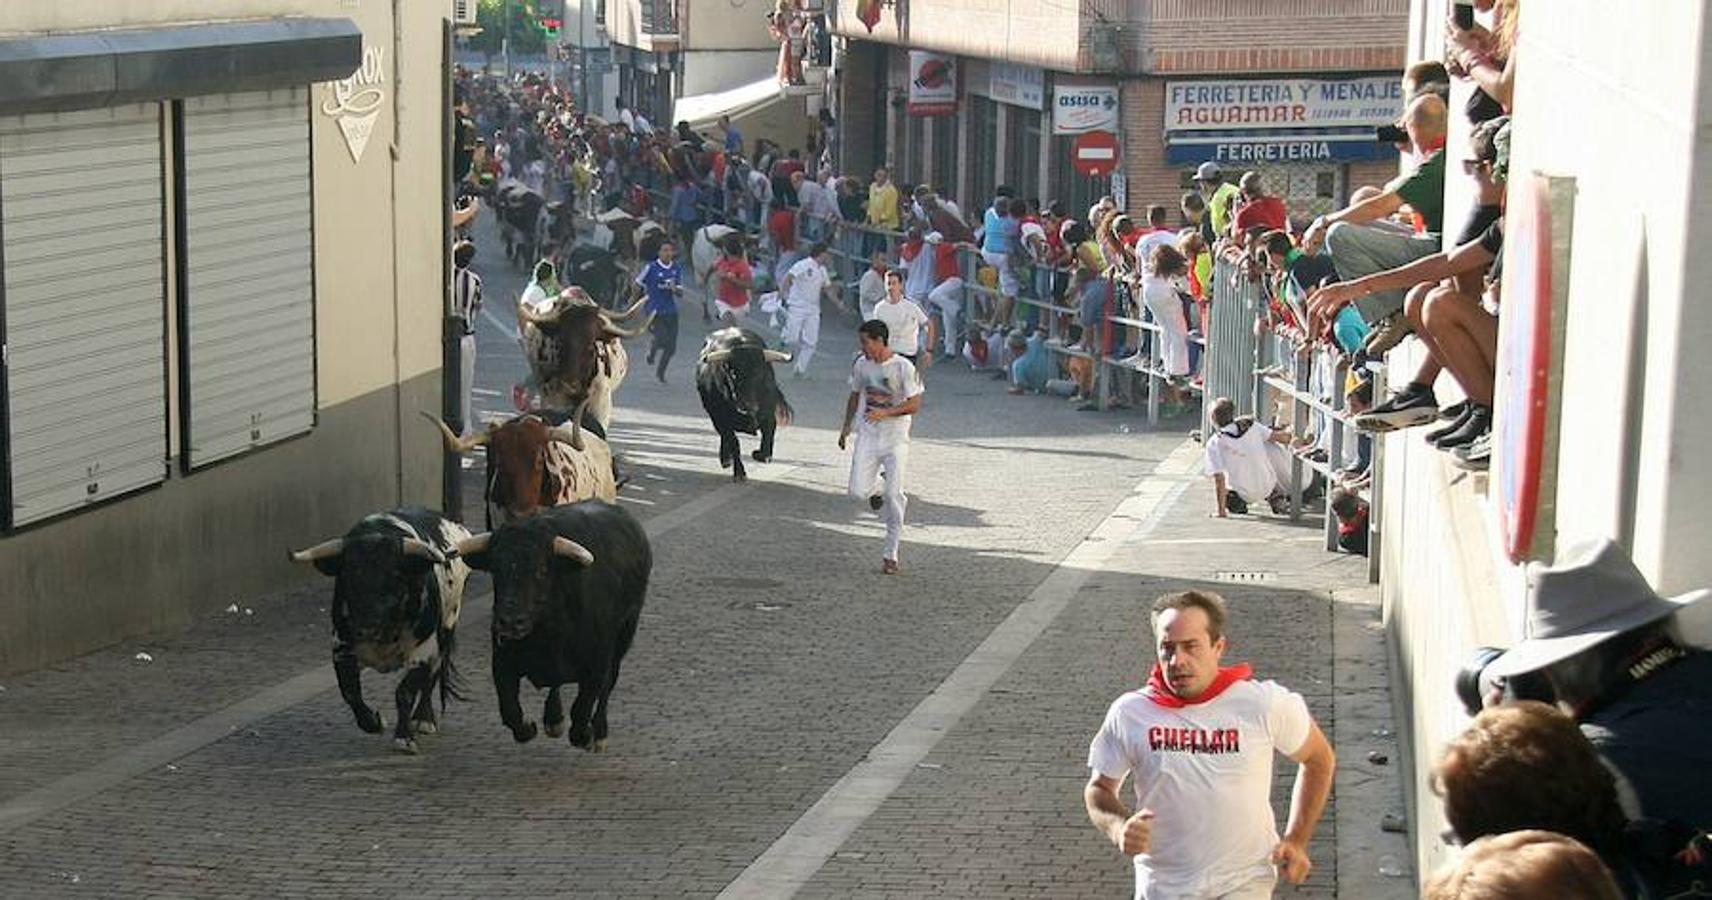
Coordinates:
x,y
1095,153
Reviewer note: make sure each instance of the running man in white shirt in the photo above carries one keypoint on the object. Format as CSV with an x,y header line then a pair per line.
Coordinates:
x,y
885,395
801,290
1197,744
904,320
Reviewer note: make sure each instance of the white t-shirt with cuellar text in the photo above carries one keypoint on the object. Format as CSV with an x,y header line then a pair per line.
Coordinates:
x,y
1205,770
904,322
883,385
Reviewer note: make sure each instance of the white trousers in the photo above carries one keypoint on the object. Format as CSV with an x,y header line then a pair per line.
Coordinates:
x,y
947,298
467,381
870,458
802,333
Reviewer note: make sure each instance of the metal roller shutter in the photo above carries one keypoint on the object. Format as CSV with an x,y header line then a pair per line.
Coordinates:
x,y
85,310
249,315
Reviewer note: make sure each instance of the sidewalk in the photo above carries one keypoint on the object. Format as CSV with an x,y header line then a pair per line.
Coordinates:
x,y
996,810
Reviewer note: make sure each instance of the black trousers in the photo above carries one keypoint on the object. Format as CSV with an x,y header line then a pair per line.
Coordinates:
x,y
664,331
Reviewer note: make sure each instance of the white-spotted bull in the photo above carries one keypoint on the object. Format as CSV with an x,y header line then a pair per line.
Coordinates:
x,y
536,460
576,352
734,376
568,588
397,590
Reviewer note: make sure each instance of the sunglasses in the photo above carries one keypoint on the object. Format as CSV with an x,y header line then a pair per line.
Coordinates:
x,y
1472,166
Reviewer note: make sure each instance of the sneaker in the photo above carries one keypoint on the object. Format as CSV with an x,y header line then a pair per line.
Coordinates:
x,y
888,567
1454,411
1408,408
1475,456
1479,422
1280,504
1388,333
1451,427
876,501
1234,504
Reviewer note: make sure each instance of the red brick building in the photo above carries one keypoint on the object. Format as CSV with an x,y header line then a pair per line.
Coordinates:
x,y
1292,88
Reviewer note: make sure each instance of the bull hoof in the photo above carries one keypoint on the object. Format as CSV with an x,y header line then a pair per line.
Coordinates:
x,y
406,745
581,738
762,457
426,727
373,723
598,746
555,729
525,733
739,475
725,462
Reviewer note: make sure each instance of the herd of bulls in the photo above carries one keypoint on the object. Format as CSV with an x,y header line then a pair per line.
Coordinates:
x,y
569,566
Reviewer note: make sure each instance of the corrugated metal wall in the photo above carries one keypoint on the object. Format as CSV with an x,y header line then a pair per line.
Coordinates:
x,y
85,307
249,277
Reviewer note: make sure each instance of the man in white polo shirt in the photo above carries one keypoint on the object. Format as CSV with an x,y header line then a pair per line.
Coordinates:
x,y
1197,742
904,322
802,288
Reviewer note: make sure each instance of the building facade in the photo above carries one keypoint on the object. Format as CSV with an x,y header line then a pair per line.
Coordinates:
x,y
1292,88
222,291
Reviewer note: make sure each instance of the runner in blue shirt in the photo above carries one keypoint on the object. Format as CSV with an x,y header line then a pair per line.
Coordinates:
x,y
661,282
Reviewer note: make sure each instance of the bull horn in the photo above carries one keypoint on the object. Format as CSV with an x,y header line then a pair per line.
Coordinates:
x,y
454,443
776,356
564,546
714,356
423,550
610,331
530,317
474,544
320,551
572,434
628,313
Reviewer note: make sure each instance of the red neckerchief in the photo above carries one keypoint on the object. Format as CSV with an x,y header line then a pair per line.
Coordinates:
x,y
1159,690
1431,148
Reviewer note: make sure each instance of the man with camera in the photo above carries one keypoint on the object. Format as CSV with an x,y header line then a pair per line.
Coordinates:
x,y
1602,644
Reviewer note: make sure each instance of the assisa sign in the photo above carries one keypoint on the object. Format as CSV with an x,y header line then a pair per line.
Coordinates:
x,y
932,84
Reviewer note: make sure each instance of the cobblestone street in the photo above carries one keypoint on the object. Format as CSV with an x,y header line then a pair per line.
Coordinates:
x,y
788,720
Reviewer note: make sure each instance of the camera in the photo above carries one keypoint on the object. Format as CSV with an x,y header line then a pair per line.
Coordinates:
x,y
1474,685
1391,134
1463,15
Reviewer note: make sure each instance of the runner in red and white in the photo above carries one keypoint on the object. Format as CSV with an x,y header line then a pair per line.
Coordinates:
x,y
1197,744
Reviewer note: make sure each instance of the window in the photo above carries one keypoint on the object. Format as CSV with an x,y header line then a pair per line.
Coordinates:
x,y
983,152
246,255
82,271
914,151
1022,151
944,172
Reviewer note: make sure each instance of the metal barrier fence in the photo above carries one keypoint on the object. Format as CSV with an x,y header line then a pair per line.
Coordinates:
x,y
1229,365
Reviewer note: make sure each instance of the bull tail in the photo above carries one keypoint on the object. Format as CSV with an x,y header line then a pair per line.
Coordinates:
x,y
450,680
784,414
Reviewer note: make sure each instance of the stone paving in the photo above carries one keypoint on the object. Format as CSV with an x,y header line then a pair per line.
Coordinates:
x,y
772,658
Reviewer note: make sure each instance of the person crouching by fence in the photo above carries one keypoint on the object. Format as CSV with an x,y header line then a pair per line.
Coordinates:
x,y
1248,461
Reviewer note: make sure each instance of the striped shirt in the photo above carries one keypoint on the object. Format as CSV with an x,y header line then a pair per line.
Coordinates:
x,y
466,297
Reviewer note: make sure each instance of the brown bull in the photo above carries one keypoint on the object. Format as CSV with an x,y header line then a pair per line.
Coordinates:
x,y
532,464
575,354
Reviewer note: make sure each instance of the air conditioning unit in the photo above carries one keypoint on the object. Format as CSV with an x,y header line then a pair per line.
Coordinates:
x,y
463,12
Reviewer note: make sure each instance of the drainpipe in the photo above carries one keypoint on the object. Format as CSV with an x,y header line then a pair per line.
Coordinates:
x,y
396,153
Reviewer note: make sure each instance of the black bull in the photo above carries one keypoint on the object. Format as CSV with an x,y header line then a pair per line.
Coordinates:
x,y
734,376
568,589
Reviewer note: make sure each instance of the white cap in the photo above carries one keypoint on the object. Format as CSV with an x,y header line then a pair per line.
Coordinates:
x,y
934,237
1208,171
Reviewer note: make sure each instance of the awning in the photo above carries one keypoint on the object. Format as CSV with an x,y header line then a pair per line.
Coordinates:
x,y
703,110
83,70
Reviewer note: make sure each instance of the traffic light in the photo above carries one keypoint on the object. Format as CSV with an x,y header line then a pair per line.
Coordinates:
x,y
550,26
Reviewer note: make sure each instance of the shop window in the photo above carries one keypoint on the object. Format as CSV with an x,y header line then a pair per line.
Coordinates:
x,y
983,153
1022,151
944,171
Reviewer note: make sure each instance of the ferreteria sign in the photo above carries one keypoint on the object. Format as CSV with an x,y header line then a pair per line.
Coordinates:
x,y
1283,103
1280,120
